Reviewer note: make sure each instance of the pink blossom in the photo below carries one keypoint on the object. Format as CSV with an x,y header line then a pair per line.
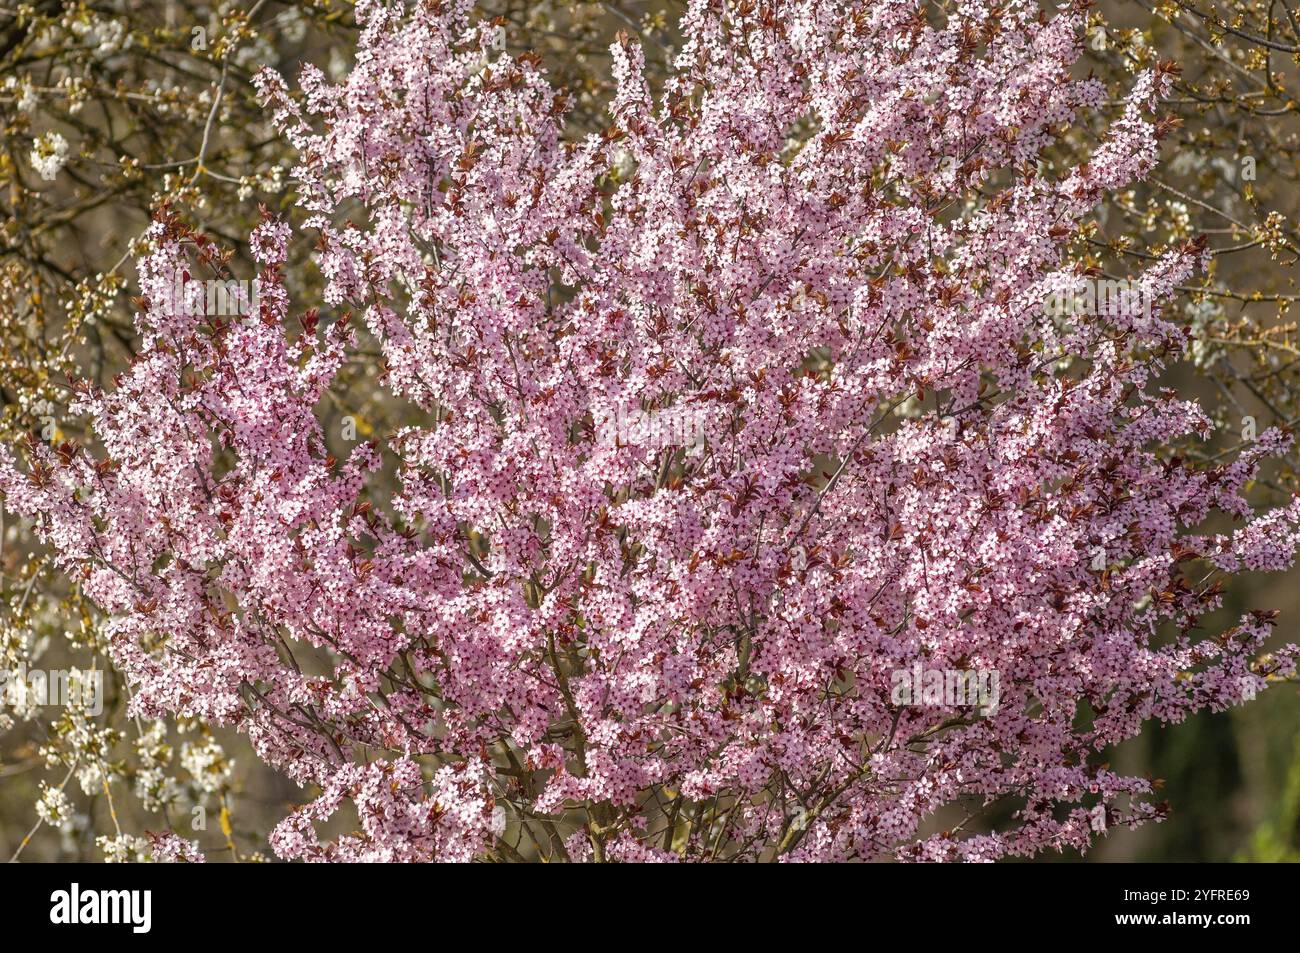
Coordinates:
x,y
666,655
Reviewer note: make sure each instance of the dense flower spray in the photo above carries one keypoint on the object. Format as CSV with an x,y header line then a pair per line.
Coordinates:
x,y
515,629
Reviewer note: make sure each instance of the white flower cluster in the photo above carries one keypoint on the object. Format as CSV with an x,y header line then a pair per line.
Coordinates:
x,y
124,849
157,849
208,765
153,786
24,94
105,37
53,807
49,155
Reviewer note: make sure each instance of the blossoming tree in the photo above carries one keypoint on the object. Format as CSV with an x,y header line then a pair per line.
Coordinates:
x,y
509,631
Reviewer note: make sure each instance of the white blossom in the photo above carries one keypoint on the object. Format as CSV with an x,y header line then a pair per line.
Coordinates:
x,y
49,155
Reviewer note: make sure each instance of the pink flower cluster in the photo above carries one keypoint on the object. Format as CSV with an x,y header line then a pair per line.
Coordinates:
x,y
832,232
